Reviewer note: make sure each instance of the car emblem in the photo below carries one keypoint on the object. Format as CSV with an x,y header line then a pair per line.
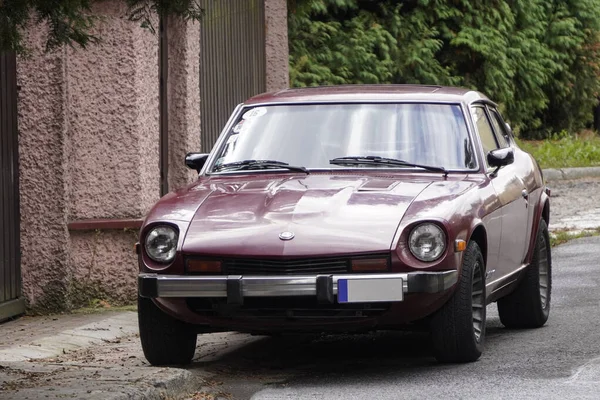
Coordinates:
x,y
286,235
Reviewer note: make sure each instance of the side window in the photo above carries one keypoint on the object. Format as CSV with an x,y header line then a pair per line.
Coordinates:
x,y
488,139
500,128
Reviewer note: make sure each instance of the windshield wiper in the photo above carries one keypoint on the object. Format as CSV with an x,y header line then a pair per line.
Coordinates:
x,y
259,164
356,160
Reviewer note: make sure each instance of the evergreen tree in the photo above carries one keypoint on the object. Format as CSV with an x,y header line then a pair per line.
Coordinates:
x,y
538,58
70,21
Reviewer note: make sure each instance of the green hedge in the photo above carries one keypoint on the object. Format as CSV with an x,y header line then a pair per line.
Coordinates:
x,y
538,58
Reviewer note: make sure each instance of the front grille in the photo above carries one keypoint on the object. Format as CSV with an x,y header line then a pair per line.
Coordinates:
x,y
282,308
286,267
289,266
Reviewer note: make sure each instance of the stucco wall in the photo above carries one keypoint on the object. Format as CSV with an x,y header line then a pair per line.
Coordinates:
x,y
113,120
89,146
42,138
113,168
103,266
276,46
184,98
89,149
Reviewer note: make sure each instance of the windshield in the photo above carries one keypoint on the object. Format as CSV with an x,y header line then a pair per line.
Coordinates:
x,y
313,135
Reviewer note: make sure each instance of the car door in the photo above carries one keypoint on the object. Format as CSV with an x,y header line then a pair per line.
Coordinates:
x,y
509,188
523,167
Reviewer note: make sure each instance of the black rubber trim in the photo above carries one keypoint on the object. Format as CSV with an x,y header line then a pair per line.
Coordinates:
x,y
234,290
148,286
433,282
325,289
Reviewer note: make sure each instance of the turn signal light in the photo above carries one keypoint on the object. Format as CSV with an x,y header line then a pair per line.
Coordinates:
x,y
460,245
369,264
204,266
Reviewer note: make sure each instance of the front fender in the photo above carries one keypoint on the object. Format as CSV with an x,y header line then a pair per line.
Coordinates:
x,y
543,204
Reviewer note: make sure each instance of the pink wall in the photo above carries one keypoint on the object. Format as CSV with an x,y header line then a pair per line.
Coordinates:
x,y
113,164
184,98
276,46
112,97
89,145
42,142
89,149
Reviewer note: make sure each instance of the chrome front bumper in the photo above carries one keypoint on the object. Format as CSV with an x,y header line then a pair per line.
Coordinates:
x,y
324,287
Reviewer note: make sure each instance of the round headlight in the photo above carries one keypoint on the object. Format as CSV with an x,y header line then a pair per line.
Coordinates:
x,y
161,244
427,242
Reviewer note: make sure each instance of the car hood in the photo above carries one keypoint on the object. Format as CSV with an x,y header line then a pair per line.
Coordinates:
x,y
327,215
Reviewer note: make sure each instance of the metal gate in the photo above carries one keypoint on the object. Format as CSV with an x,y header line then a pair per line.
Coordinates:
x,y
11,302
232,60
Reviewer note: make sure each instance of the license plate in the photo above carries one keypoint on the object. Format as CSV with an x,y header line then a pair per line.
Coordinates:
x,y
370,290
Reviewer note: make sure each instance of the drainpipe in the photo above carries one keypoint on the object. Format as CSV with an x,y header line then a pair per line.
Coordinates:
x,y
163,71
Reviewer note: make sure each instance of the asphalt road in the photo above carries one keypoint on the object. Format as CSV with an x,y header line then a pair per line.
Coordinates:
x,y
559,361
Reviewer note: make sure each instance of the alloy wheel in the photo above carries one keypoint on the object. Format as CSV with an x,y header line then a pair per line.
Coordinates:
x,y
477,301
543,271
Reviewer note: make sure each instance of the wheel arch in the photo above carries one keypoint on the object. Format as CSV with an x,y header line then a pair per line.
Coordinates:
x,y
542,212
546,211
479,236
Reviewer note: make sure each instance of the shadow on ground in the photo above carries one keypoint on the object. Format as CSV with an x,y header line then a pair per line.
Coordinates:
x,y
321,359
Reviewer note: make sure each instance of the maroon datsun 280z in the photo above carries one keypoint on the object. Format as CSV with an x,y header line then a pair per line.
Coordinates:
x,y
350,208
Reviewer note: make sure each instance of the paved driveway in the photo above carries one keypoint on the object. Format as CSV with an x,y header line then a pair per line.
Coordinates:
x,y
575,204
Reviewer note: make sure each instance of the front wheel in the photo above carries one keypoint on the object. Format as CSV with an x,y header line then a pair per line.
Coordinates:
x,y
529,305
458,328
165,340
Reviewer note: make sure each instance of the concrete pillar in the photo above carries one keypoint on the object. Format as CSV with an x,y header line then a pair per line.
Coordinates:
x,y
43,127
113,119
184,98
276,45
89,130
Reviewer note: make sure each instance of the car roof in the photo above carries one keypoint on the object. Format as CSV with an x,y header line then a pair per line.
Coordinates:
x,y
370,93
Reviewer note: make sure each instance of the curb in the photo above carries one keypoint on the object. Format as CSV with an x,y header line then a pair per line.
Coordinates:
x,y
557,174
106,330
36,356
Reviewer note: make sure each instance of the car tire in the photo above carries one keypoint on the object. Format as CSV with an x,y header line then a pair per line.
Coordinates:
x,y
529,305
165,340
458,328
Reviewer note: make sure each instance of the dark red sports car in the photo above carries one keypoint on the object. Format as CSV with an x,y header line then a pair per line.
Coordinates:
x,y
350,208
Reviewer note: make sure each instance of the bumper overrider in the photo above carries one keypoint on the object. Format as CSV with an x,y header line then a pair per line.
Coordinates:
x,y
349,288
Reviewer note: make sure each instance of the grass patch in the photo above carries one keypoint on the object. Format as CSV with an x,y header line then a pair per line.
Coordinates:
x,y
563,236
565,151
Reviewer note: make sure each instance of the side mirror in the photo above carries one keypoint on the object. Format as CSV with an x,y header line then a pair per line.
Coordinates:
x,y
501,157
196,160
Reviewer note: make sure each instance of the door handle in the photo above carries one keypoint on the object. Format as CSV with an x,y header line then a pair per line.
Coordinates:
x,y
525,194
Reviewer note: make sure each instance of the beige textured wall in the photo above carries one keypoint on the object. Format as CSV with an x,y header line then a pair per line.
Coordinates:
x,y
276,46
184,98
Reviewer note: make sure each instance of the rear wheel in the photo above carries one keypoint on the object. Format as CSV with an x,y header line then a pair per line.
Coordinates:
x,y
165,340
458,328
529,305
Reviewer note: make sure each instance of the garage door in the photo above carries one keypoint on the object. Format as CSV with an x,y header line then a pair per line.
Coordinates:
x,y
11,302
232,60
